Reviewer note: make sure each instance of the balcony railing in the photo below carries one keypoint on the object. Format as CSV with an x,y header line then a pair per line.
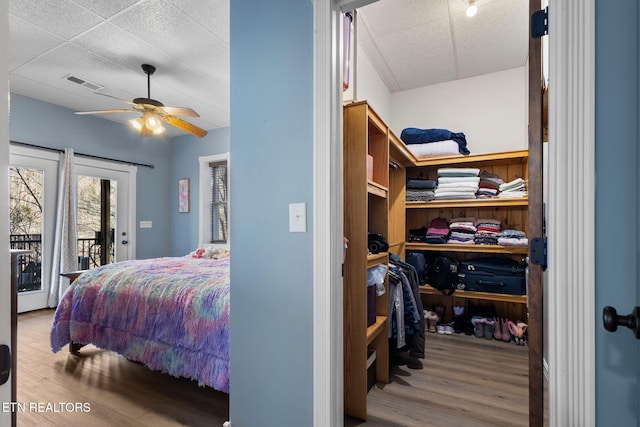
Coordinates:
x,y
89,251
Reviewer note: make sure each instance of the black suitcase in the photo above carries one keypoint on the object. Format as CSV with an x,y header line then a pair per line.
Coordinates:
x,y
500,275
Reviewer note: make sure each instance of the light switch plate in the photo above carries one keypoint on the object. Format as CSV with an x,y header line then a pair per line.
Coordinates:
x,y
298,217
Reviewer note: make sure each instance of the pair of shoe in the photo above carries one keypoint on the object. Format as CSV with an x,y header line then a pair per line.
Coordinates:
x,y
458,318
501,331
518,329
483,327
432,320
445,329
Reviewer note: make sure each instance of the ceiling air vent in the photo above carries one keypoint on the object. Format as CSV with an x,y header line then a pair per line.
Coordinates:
x,y
83,82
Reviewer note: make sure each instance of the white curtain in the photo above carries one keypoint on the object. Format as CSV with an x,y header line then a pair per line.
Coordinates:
x,y
65,250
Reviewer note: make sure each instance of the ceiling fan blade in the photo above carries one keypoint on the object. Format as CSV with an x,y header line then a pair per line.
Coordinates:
x,y
105,111
181,111
185,126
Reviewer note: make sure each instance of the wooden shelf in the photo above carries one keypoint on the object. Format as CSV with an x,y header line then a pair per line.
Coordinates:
x,y
377,189
459,159
469,203
374,330
518,299
453,247
376,259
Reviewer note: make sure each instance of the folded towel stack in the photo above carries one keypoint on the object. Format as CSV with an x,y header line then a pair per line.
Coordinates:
x,y
457,183
514,189
412,136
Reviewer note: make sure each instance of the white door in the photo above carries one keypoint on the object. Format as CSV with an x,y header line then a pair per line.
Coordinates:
x,y
33,177
121,181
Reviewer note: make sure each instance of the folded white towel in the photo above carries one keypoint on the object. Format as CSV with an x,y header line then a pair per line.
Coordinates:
x,y
439,148
458,179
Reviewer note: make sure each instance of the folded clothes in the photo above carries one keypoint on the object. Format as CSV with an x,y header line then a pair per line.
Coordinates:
x,y
458,172
419,184
419,195
458,179
456,189
438,226
513,185
421,136
512,241
439,148
456,195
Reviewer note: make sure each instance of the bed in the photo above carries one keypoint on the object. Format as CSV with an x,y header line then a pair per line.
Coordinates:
x,y
172,314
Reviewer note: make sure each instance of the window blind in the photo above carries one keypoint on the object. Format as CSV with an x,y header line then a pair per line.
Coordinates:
x,y
219,202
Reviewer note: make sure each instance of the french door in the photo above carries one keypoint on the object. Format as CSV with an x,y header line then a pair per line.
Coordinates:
x,y
104,205
33,181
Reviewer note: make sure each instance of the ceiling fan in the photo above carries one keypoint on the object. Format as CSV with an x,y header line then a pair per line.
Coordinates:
x,y
154,113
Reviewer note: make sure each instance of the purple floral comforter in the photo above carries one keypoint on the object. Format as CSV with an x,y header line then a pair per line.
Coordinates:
x,y
172,314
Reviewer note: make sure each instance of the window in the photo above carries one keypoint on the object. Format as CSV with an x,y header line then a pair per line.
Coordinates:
x,y
214,200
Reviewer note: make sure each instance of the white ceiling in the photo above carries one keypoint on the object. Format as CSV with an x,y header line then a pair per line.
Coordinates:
x,y
412,43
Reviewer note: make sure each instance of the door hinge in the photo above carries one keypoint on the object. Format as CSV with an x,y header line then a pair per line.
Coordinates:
x,y
540,23
538,249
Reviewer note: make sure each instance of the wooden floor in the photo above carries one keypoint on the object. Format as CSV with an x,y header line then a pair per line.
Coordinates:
x,y
464,381
119,392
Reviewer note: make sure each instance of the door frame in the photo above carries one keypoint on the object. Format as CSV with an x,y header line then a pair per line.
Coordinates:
x,y
571,225
327,373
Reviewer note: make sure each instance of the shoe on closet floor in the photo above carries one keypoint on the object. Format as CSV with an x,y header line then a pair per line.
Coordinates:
x,y
431,319
445,329
458,318
478,326
497,331
506,335
489,325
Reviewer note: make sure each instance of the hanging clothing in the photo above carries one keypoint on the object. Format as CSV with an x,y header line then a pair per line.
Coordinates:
x,y
405,277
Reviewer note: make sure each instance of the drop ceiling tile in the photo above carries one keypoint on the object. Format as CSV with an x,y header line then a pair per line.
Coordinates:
x,y
63,18
104,8
157,22
27,41
211,14
420,56
495,39
390,16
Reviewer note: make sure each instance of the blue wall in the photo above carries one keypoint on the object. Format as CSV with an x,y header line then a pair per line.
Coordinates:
x,y
185,151
616,192
39,123
271,166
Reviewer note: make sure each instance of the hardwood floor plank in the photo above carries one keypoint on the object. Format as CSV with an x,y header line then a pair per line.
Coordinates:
x,y
464,382
118,391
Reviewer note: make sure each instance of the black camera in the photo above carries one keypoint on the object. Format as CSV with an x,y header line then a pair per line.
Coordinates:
x,y
377,243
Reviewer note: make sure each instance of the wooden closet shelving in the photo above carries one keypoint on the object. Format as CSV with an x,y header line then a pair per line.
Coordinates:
x,y
378,204
366,207
512,212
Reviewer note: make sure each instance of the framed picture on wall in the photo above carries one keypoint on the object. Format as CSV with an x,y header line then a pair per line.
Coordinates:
x,y
183,195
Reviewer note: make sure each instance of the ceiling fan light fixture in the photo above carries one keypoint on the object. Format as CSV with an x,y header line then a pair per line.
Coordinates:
x,y
137,123
158,130
472,9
